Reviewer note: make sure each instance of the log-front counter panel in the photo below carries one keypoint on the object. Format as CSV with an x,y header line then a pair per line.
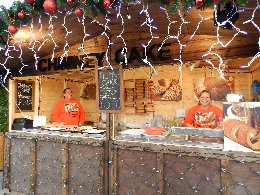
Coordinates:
x,y
38,163
76,164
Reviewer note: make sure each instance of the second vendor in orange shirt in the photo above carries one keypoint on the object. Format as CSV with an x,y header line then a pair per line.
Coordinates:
x,y
203,115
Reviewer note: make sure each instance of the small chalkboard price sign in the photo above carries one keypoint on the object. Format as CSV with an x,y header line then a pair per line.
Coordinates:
x,y
109,89
24,96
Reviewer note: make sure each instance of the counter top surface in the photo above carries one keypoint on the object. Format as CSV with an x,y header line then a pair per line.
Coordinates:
x,y
57,133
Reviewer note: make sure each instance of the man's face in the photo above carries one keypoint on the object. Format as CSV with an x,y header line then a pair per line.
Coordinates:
x,y
68,94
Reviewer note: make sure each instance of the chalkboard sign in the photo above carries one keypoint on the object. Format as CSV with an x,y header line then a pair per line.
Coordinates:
x,y
109,89
24,96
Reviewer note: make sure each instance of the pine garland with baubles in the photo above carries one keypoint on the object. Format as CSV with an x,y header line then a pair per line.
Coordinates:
x,y
3,111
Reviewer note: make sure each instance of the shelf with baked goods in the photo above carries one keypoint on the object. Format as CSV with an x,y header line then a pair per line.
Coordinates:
x,y
135,96
138,96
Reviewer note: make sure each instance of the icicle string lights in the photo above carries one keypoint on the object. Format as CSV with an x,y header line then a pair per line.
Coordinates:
x,y
257,55
119,15
149,22
220,66
66,46
33,43
82,21
50,34
106,33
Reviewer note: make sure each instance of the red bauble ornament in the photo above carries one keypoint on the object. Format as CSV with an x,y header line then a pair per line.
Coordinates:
x,y
199,3
12,29
21,14
78,12
50,6
70,2
29,1
107,3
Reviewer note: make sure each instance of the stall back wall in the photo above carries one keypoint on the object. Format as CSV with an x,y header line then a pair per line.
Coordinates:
x,y
241,84
50,95
51,91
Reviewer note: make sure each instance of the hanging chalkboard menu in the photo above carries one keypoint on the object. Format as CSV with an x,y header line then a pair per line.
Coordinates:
x,y
24,96
109,89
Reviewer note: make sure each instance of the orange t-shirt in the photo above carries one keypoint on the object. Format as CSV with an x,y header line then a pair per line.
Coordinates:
x,y
70,112
203,118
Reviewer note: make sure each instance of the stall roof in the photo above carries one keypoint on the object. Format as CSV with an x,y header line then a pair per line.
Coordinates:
x,y
46,34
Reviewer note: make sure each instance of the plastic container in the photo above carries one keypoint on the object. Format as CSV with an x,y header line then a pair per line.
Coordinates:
x,y
154,130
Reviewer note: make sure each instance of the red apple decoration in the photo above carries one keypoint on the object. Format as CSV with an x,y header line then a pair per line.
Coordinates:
x,y
21,14
78,12
12,29
107,3
70,2
199,3
29,1
50,6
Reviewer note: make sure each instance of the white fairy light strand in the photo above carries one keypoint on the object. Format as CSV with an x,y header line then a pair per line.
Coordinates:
x,y
82,21
20,56
220,65
202,19
43,37
33,43
106,28
8,56
51,33
179,41
66,46
148,22
257,55
124,51
168,28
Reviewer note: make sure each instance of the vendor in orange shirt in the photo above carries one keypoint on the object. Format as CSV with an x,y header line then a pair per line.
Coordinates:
x,y
203,115
68,110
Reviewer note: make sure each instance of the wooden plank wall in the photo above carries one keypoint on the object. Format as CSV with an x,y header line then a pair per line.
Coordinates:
x,y
242,82
51,93
51,87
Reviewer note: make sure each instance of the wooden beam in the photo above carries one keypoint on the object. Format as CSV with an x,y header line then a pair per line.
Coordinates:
x,y
65,169
225,177
160,172
7,161
32,167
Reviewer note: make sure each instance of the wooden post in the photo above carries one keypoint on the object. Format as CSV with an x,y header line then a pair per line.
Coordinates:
x,y
1,151
65,169
101,173
114,169
159,174
107,154
7,156
225,177
32,168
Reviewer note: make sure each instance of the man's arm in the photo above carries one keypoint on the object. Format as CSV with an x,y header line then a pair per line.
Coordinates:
x,y
81,115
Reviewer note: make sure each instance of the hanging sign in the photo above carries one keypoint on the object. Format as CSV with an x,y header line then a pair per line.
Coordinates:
x,y
109,89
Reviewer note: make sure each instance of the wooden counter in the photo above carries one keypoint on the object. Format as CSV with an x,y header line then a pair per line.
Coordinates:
x,y
41,163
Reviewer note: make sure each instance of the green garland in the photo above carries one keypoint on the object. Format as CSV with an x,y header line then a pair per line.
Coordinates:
x,y
3,110
93,7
